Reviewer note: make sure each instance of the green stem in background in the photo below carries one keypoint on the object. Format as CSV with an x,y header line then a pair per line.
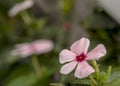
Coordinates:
x,y
26,18
94,63
56,84
108,72
36,65
93,80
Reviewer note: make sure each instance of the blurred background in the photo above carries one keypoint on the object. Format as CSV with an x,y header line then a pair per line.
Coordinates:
x,y
61,21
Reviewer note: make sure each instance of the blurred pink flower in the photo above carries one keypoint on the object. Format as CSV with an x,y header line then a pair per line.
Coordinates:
x,y
77,56
22,50
42,46
20,7
37,47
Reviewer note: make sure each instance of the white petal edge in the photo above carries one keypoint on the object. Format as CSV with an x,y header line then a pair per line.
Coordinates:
x,y
97,52
80,46
66,56
69,67
83,70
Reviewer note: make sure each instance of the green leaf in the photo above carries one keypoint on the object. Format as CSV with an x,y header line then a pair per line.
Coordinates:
x,y
56,84
74,81
24,80
66,6
102,77
115,74
114,79
108,72
38,23
115,82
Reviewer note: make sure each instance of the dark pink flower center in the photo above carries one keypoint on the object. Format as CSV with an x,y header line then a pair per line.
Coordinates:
x,y
80,57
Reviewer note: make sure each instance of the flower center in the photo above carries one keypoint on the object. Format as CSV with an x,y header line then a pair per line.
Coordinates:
x,y
80,57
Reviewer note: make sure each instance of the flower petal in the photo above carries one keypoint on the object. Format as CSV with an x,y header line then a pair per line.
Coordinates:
x,y
97,52
83,70
42,46
66,56
80,46
69,67
22,50
20,7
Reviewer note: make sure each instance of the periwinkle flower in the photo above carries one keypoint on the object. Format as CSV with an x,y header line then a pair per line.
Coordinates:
x,y
36,47
76,58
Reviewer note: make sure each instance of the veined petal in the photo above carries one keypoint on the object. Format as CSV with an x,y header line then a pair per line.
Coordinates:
x,y
69,67
80,46
83,70
66,56
97,52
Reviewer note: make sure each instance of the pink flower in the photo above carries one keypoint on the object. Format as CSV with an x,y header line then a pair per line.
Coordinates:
x,y
77,56
37,47
22,50
20,7
42,46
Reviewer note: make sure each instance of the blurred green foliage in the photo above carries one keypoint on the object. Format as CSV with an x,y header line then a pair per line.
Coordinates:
x,y
16,71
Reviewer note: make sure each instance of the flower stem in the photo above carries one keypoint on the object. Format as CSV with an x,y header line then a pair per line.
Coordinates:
x,y
96,68
36,65
93,80
26,18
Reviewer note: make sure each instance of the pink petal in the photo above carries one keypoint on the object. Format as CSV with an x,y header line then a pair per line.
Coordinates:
x,y
20,7
42,46
22,50
66,56
67,68
83,70
97,52
80,46
17,46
